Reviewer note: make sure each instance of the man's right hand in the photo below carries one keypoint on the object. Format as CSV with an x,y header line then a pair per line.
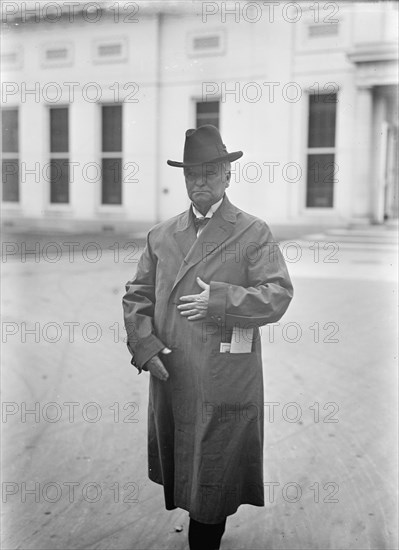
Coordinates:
x,y
156,368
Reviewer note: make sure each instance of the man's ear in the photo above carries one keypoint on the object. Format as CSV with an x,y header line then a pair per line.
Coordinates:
x,y
228,178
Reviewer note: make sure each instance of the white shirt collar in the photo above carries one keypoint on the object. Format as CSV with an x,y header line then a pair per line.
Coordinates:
x,y
210,212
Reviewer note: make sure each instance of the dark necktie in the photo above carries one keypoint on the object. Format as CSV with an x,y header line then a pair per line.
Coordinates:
x,y
200,222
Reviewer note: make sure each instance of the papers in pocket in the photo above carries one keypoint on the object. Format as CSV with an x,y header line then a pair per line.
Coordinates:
x,y
225,347
241,341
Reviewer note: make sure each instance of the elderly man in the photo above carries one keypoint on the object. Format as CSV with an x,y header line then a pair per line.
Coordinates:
x,y
206,281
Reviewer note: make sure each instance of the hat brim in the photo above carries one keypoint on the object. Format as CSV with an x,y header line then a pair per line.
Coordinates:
x,y
230,157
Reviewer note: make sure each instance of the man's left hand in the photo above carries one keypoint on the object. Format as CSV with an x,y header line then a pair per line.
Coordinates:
x,y
197,304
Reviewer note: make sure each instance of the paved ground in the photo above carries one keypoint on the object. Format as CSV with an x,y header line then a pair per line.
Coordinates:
x,y
74,472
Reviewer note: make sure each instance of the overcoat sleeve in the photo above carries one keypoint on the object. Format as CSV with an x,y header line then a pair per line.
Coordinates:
x,y
269,290
138,307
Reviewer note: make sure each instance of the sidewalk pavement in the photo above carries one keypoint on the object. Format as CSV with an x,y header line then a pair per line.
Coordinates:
x,y
330,411
26,241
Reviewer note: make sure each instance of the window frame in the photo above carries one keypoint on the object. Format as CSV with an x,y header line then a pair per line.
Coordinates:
x,y
97,43
197,100
11,65
65,206
14,155
48,62
319,210
110,207
323,43
206,52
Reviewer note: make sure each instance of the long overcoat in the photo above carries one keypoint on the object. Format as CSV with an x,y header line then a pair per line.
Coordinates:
x,y
205,423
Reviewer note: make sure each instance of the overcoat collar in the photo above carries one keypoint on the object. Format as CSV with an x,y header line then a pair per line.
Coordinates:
x,y
193,248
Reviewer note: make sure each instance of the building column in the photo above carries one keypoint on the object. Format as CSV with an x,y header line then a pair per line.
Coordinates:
x,y
363,165
85,143
34,159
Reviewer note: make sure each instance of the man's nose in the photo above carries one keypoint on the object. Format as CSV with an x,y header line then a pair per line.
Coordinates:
x,y
197,181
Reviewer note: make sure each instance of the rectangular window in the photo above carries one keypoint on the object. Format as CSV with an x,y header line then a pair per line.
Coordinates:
x,y
206,42
110,49
111,189
207,112
59,177
10,163
59,155
59,130
9,58
57,54
321,30
60,53
321,167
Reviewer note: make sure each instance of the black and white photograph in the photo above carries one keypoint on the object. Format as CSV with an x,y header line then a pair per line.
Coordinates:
x,y
199,275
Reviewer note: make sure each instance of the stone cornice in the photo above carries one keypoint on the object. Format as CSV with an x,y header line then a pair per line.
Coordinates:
x,y
30,13
373,52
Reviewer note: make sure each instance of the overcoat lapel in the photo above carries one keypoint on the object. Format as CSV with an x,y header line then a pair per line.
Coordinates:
x,y
185,234
216,232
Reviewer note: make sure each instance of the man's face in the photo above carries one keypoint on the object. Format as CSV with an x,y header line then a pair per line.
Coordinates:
x,y
207,183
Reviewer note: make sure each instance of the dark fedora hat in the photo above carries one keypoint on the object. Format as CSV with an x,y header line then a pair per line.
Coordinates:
x,y
204,145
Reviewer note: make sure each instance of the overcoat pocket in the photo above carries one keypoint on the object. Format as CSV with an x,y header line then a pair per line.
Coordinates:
x,y
234,377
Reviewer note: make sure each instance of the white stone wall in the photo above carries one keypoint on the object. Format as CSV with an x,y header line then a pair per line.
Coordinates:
x,y
272,56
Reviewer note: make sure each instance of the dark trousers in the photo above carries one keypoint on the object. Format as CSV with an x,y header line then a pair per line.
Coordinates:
x,y
203,536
